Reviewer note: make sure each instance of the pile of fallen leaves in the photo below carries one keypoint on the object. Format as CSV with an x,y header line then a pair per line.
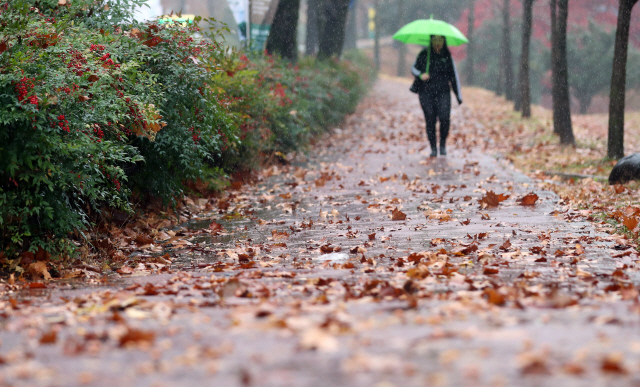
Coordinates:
x,y
578,175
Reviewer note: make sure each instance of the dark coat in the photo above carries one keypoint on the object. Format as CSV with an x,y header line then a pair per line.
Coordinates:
x,y
442,73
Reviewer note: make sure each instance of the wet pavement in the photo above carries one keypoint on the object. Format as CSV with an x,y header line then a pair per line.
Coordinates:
x,y
362,263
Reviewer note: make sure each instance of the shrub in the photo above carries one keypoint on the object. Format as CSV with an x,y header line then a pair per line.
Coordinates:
x,y
197,127
95,107
280,107
65,122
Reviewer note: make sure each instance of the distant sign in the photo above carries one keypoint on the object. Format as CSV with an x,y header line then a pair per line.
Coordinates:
x,y
183,20
262,14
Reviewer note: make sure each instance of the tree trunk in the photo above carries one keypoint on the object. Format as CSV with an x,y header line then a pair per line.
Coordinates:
x,y
332,36
523,99
282,39
313,11
471,21
585,102
507,63
562,104
615,143
402,48
376,35
351,35
500,79
554,59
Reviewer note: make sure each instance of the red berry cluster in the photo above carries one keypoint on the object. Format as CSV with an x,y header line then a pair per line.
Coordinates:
x,y
98,132
23,87
225,140
279,92
77,63
135,114
114,180
106,58
195,134
96,47
63,123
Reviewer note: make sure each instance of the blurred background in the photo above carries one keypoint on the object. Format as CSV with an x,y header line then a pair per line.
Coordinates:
x,y
590,40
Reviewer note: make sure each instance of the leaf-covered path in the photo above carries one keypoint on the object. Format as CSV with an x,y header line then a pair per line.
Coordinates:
x,y
365,264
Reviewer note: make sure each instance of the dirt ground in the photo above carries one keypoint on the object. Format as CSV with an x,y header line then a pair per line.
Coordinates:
x,y
361,263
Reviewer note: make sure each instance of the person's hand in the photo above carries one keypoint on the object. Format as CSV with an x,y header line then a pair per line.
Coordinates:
x,y
424,76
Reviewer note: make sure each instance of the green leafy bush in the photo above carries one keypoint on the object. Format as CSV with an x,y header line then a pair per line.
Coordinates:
x,y
66,94
96,108
197,127
280,107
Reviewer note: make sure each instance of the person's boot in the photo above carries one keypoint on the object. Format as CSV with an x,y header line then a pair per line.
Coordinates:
x,y
443,150
434,151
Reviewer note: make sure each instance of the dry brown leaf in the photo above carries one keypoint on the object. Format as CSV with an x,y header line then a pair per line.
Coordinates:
x,y
125,270
398,215
137,336
490,270
528,200
629,223
493,297
215,227
39,269
612,364
506,245
143,239
49,337
491,199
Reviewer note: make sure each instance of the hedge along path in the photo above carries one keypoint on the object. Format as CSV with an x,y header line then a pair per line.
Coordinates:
x,y
367,263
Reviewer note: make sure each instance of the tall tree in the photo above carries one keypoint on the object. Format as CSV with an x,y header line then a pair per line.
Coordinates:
x,y
332,36
471,21
561,98
402,48
351,34
507,64
523,98
553,4
282,39
615,143
313,23
376,34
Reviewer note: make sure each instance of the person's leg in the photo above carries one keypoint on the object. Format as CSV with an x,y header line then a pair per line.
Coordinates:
x,y
444,115
428,104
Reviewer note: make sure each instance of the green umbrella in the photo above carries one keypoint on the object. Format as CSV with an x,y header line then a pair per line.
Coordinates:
x,y
420,31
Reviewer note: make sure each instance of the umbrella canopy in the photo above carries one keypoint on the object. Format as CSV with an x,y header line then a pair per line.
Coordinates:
x,y
420,31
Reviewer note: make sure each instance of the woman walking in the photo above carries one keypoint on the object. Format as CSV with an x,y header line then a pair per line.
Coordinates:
x,y
435,75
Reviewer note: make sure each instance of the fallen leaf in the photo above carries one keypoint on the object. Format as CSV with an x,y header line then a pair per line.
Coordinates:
x,y
49,337
398,215
619,188
506,245
491,199
489,271
493,297
137,336
125,270
215,227
39,269
143,239
612,364
629,223
528,200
